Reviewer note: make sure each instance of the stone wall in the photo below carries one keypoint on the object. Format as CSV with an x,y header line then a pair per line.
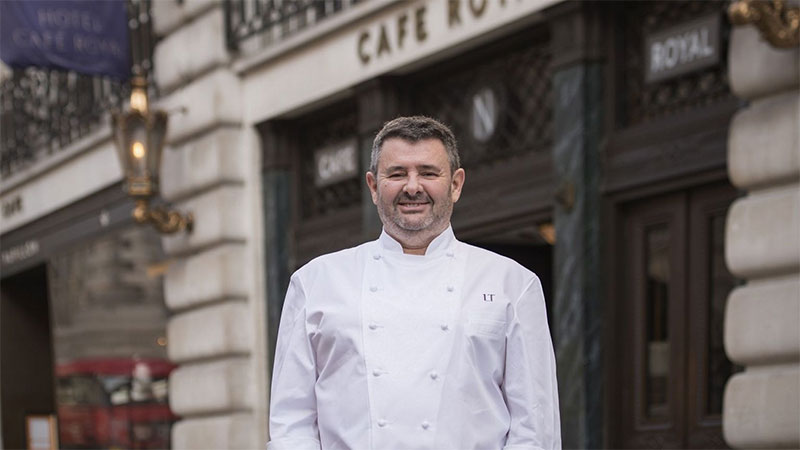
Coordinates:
x,y
762,245
213,284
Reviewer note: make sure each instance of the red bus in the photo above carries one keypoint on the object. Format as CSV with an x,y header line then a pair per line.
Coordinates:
x,y
114,403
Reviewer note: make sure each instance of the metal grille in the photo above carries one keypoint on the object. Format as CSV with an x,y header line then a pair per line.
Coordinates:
x,y
331,127
521,82
42,111
644,102
276,19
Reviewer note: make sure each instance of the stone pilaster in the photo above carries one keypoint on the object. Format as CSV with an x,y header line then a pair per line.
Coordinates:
x,y
761,407
577,311
216,328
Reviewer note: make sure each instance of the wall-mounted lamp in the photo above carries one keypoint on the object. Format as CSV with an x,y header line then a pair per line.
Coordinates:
x,y
139,135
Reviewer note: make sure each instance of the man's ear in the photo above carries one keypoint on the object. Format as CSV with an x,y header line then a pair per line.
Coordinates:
x,y
457,184
372,184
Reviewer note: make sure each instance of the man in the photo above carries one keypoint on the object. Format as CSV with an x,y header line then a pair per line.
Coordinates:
x,y
416,340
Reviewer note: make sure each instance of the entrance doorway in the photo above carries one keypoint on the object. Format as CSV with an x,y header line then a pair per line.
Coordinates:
x,y
531,249
669,366
26,354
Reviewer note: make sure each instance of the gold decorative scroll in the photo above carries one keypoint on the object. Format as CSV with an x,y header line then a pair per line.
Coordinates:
x,y
778,24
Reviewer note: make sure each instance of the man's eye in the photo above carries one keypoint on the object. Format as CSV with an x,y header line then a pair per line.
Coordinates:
x,y
395,175
430,174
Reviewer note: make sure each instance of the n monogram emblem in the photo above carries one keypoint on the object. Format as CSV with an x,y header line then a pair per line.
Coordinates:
x,y
488,297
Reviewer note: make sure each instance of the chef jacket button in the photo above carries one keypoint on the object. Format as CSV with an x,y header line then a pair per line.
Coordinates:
x,y
381,423
450,288
434,375
376,256
376,373
425,425
450,254
373,326
373,288
444,327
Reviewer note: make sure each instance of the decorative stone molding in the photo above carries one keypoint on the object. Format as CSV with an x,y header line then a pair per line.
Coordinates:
x,y
757,69
213,331
771,164
211,160
212,101
761,408
227,386
761,237
174,64
237,431
779,24
171,14
209,276
763,405
774,302
219,217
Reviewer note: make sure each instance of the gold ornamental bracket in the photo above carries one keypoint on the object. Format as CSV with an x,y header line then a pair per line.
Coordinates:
x,y
778,23
139,134
164,220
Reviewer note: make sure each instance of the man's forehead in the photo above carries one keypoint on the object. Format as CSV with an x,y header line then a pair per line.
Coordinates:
x,y
428,151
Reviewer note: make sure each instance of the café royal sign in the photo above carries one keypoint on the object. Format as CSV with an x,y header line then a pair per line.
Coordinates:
x,y
688,47
414,24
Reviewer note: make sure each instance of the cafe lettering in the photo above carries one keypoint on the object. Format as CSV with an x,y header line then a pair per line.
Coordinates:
x,y
389,36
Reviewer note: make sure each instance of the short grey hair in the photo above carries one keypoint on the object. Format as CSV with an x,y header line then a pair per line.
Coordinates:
x,y
414,129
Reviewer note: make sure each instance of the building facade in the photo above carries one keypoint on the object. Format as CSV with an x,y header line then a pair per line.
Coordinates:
x,y
604,145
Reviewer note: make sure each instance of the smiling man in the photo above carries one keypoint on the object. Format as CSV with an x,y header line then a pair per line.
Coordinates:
x,y
415,340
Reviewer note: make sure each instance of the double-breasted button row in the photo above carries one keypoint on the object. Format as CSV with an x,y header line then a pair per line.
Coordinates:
x,y
374,326
383,422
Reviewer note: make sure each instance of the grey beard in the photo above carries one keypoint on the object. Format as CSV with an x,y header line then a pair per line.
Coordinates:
x,y
394,222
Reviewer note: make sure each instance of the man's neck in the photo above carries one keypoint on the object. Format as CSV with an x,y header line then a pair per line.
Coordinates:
x,y
414,243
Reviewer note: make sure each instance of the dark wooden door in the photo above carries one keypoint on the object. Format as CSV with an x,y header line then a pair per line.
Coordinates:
x,y
670,367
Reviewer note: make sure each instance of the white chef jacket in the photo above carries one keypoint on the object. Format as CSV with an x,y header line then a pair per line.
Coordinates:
x,y
378,349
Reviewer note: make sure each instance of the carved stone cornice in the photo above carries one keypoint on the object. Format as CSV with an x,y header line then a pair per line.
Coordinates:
x,y
778,24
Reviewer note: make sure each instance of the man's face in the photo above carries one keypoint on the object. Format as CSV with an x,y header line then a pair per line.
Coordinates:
x,y
414,189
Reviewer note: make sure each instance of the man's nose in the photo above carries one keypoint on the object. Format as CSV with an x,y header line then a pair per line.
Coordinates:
x,y
412,186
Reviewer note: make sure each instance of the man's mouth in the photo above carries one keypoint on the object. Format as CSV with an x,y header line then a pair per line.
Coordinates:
x,y
411,206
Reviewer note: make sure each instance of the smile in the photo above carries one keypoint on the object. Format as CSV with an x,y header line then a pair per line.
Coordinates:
x,y
412,206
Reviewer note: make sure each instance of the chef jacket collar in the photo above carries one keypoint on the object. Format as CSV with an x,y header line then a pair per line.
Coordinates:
x,y
437,246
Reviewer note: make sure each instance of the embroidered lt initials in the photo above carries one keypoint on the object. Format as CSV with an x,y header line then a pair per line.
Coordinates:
x,y
488,297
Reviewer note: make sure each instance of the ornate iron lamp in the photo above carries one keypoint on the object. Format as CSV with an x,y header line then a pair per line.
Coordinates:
x,y
139,135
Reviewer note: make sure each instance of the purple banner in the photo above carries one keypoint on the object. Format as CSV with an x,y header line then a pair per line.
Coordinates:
x,y
88,36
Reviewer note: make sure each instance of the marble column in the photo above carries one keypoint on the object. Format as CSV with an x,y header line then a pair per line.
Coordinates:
x,y
276,194
577,315
378,102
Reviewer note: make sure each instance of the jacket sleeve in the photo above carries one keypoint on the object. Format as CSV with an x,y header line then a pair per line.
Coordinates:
x,y
530,385
293,402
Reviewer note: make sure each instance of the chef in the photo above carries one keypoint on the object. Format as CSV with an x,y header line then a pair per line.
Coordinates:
x,y
415,340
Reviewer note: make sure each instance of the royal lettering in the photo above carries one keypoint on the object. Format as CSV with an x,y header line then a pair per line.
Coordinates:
x,y
679,50
682,49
